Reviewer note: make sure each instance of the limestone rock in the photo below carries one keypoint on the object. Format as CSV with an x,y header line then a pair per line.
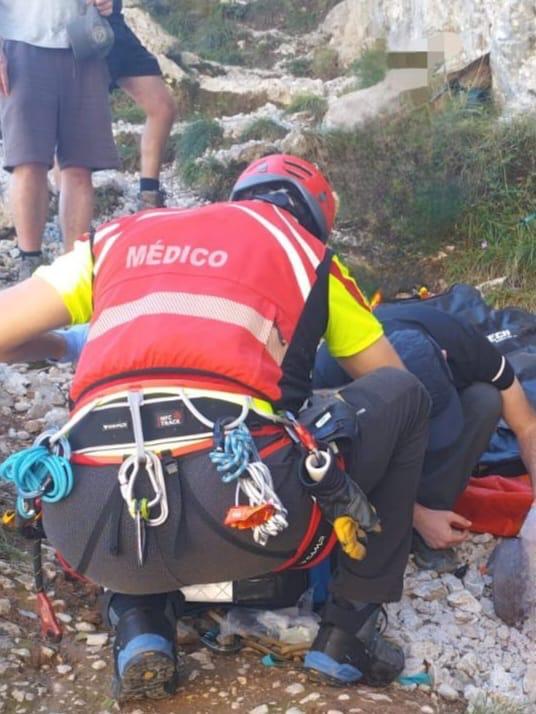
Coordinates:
x,y
463,600
356,108
469,29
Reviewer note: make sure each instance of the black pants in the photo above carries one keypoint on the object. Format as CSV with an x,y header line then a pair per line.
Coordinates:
x,y
446,472
194,547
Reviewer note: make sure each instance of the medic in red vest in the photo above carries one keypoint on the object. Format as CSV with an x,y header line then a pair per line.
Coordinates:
x,y
204,326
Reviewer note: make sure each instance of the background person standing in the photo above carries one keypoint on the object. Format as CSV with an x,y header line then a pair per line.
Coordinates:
x,y
49,103
136,71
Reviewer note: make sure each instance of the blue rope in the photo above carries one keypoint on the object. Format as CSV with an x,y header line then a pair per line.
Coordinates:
x,y
238,450
36,472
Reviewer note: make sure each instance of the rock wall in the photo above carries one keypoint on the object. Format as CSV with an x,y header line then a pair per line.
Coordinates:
x,y
506,28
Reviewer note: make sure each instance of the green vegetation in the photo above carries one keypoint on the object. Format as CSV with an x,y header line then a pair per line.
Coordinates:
x,y
412,184
202,27
325,63
198,136
210,178
263,128
299,66
287,15
219,32
370,68
124,108
311,103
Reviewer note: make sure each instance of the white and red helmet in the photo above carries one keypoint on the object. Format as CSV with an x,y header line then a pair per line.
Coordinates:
x,y
301,179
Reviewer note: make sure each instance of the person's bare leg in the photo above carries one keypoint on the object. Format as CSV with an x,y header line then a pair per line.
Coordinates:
x,y
153,96
76,203
28,198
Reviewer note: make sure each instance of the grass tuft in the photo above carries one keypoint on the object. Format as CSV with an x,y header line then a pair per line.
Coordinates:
x,y
263,128
310,103
370,68
200,135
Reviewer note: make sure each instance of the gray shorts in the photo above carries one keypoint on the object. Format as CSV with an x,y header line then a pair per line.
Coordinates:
x,y
56,105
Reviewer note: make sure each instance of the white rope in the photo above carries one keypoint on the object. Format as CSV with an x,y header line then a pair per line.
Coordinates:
x,y
258,487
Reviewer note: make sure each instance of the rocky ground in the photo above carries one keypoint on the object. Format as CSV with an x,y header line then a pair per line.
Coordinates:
x,y
454,643
456,648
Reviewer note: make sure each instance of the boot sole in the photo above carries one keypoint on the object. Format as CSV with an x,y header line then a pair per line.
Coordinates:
x,y
150,674
317,677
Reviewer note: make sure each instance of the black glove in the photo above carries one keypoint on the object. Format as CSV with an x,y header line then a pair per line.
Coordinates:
x,y
341,501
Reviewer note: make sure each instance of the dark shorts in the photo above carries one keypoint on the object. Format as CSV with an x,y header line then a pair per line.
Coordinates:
x,y
128,57
56,106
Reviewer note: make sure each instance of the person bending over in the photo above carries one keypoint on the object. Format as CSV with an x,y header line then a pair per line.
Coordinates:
x,y
204,325
472,386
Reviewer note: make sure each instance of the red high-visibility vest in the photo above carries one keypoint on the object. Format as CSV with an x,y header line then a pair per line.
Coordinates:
x,y
208,297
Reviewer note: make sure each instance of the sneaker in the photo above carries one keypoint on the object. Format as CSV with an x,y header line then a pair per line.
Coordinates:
x,y
28,265
151,199
145,656
349,648
442,560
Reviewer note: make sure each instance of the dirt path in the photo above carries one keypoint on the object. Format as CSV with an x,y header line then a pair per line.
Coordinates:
x,y
75,675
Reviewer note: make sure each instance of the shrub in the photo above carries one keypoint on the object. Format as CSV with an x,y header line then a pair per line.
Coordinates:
x,y
198,136
411,184
263,128
211,179
124,108
370,68
299,66
325,63
311,103
288,15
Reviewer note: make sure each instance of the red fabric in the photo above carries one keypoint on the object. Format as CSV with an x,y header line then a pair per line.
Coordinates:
x,y
147,264
496,504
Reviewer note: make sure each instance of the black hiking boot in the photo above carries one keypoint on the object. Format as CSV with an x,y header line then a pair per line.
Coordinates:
x,y
349,648
145,655
442,560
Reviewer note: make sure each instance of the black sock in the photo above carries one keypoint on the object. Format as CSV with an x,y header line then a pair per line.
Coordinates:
x,y
149,184
30,253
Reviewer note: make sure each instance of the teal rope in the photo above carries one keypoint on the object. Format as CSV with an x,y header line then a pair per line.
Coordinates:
x,y
37,473
236,454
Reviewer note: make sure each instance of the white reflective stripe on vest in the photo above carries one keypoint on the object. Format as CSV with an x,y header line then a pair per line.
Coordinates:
x,y
103,232
104,252
309,252
304,284
206,307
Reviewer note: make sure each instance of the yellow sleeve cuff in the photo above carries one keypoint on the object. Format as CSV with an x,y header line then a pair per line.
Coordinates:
x,y
71,276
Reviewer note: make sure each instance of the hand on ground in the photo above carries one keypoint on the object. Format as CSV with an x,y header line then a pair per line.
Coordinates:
x,y
440,529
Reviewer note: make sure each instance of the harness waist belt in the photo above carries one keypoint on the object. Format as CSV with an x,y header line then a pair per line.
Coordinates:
x,y
163,417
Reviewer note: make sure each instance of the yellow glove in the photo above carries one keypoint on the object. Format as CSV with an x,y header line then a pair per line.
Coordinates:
x,y
351,537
